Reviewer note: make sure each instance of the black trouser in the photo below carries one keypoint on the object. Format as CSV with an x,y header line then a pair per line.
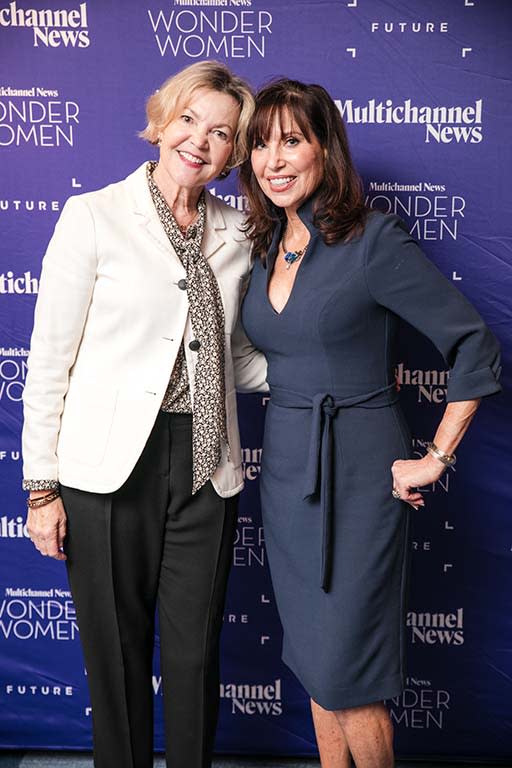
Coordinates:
x,y
150,540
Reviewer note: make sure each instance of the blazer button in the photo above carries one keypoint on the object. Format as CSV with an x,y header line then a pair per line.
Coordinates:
x,y
194,345
182,284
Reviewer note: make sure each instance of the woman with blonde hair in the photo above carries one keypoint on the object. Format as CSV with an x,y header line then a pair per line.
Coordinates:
x,y
131,446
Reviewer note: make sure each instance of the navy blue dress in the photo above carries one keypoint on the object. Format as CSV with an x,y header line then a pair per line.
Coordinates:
x,y
337,541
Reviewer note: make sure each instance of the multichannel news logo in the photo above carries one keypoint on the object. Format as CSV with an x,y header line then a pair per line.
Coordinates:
x,y
437,628
251,463
431,385
248,699
232,34
13,528
239,202
50,28
443,125
12,283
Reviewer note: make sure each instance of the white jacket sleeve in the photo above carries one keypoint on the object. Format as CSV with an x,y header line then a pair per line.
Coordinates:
x,y
250,365
65,291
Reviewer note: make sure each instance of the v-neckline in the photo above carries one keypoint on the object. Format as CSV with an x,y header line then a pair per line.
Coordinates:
x,y
305,213
269,278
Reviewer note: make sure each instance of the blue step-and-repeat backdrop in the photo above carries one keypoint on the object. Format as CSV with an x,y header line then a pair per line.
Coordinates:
x,y
424,86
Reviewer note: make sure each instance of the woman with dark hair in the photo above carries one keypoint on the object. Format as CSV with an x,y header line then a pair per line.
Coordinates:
x,y
325,299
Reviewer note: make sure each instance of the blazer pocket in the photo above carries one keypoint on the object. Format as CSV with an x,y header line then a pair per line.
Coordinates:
x,y
86,423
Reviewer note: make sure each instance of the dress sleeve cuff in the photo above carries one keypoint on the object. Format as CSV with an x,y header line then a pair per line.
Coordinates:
x,y
471,386
40,485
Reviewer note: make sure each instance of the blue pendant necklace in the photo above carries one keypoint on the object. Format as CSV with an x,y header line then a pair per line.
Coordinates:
x,y
292,256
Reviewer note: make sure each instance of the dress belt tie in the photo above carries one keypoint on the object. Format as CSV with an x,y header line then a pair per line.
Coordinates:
x,y
319,465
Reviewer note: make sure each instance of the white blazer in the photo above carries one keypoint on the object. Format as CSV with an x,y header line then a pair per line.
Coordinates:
x,y
109,321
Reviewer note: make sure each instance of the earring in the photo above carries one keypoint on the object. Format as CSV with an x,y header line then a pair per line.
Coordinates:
x,y
159,140
224,173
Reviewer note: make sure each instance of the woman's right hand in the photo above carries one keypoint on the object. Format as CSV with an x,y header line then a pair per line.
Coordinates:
x,y
47,527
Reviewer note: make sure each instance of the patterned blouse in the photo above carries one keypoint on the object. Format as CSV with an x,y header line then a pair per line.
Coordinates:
x,y
207,320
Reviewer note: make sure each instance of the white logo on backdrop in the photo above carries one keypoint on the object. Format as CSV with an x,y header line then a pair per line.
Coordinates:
x,y
437,628
432,214
239,202
25,689
13,528
218,3
417,27
235,618
50,28
31,206
443,125
31,614
237,34
13,373
10,455
10,283
27,116
14,351
431,384
249,546
249,699
420,706
251,463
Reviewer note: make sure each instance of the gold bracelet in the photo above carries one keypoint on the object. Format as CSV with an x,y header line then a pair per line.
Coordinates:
x,y
448,459
42,501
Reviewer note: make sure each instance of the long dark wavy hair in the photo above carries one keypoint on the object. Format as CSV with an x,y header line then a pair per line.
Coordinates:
x,y
339,210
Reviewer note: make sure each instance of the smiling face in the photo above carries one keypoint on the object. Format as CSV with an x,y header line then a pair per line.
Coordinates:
x,y
196,145
287,165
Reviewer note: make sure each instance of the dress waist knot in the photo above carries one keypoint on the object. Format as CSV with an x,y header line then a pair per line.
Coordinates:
x,y
319,475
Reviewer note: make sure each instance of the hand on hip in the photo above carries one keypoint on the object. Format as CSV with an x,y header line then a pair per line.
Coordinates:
x,y
412,474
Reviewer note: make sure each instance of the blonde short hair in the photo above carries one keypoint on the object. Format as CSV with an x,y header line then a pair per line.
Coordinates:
x,y
165,103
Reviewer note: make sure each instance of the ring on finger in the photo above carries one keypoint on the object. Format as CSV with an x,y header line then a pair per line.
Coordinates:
x,y
395,494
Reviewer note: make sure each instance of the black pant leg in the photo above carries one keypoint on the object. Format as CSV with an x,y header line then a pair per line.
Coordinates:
x,y
195,566
114,548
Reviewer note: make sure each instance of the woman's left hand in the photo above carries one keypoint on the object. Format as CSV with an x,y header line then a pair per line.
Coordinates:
x,y
415,473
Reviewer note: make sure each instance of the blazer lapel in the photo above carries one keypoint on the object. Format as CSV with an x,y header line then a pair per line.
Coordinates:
x,y
149,221
144,209
215,229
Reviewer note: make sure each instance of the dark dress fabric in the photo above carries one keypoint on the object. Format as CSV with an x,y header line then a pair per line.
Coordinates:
x,y
337,541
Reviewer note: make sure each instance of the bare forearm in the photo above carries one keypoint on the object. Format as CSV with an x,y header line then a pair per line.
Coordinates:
x,y
456,420
417,473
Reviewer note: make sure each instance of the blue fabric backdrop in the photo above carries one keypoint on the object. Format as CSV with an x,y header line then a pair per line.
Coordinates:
x,y
425,88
